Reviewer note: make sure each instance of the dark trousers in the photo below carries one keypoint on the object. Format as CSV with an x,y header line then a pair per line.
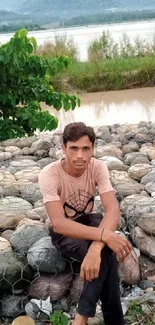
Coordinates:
x,y
106,286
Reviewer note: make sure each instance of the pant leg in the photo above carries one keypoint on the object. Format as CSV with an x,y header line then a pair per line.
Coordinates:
x,y
92,291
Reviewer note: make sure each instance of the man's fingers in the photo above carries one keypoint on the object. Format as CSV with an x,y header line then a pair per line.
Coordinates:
x,y
82,274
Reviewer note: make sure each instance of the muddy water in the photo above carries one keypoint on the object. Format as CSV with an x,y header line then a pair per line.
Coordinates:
x,y
107,108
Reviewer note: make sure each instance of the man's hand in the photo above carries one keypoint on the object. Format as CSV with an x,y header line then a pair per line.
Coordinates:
x,y
91,265
117,243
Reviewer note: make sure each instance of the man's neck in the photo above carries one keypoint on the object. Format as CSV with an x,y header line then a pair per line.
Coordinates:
x,y
70,171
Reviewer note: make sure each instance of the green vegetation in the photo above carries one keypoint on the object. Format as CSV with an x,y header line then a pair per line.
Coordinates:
x,y
15,27
111,66
61,46
140,314
24,84
58,318
110,17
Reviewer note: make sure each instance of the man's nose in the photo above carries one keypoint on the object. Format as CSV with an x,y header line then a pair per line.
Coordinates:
x,y
79,154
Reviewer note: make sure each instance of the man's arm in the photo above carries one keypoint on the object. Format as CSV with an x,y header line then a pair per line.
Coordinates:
x,y
67,227
111,217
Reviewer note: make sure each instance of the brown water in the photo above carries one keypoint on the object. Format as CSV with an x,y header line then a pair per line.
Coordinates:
x,y
107,108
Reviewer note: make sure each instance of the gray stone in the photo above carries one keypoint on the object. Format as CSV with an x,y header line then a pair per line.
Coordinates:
x,y
150,187
44,162
140,160
41,145
18,165
13,272
13,306
5,156
147,267
150,177
143,138
129,157
114,163
130,147
54,286
103,133
147,223
134,206
25,237
15,204
108,150
28,175
145,243
144,284
43,256
138,171
123,184
30,192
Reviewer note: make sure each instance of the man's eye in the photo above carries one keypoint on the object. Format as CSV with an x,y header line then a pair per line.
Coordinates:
x,y
86,149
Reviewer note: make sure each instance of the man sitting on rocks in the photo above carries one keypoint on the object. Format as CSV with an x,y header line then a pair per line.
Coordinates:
x,y
69,188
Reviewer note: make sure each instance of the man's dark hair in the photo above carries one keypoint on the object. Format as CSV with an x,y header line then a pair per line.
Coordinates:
x,y
74,131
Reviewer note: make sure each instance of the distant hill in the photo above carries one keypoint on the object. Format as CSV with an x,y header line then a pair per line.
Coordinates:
x,y
70,8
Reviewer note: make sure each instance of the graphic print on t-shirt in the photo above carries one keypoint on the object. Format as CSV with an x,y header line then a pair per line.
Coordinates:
x,y
78,203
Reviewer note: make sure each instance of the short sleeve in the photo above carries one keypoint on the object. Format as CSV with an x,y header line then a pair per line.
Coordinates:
x,y
102,177
48,183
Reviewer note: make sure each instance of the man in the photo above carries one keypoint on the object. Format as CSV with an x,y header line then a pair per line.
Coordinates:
x,y
69,187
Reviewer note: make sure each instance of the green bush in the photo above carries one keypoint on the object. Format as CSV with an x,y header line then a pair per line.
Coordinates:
x,y
24,84
59,47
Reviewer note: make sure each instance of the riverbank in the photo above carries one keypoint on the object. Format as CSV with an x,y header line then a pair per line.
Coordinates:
x,y
27,267
112,74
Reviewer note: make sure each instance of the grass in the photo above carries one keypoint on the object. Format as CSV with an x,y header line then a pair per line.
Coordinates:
x,y
110,74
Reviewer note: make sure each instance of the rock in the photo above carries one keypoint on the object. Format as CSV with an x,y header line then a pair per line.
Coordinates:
x,y
17,166
144,284
130,147
151,278
142,124
48,285
76,289
27,221
43,256
134,206
24,320
123,184
114,163
145,243
30,233
150,177
37,214
149,290
8,186
9,220
25,151
41,145
59,154
129,157
29,174
98,204
125,128
138,171
143,138
13,305
151,153
5,156
41,153
14,204
147,223
129,269
52,153
30,192
140,160
15,151
103,133
147,267
150,187
44,162
39,204
7,234
57,138
108,150
13,273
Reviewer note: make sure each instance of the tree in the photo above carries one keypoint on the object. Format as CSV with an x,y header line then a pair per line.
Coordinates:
x,y
25,82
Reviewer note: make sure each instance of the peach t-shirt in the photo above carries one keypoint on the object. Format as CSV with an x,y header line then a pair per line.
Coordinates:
x,y
76,194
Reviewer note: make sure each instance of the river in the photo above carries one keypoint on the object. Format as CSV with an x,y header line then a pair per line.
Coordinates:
x,y
82,36
107,108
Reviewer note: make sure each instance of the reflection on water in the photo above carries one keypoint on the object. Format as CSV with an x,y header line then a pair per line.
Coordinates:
x,y
107,108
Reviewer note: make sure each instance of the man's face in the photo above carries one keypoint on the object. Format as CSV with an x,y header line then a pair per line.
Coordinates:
x,y
79,153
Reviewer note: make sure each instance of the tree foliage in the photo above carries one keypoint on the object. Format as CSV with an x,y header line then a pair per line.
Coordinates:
x,y
24,84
